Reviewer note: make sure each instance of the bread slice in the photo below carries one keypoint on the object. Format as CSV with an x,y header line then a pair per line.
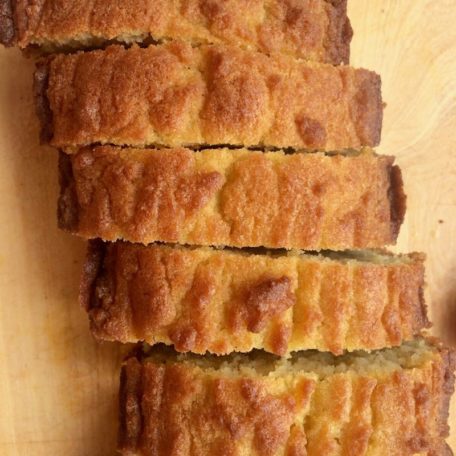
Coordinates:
x,y
317,30
176,95
392,402
219,301
232,197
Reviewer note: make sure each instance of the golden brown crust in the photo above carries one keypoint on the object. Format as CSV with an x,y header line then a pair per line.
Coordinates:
x,y
229,197
176,95
91,271
43,110
317,30
444,377
397,198
340,36
183,409
68,207
222,301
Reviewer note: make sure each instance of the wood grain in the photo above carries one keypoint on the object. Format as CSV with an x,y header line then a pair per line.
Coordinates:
x,y
58,387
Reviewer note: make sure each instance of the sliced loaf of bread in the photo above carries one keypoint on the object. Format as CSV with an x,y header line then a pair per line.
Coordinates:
x,y
219,301
316,30
176,95
232,197
392,402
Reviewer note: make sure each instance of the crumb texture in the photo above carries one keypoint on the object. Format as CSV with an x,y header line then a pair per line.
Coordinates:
x,y
176,95
228,197
317,30
203,300
183,409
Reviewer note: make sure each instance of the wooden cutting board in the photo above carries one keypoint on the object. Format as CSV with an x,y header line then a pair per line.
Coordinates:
x,y
58,388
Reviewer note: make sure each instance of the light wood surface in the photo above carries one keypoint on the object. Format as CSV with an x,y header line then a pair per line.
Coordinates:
x,y
58,388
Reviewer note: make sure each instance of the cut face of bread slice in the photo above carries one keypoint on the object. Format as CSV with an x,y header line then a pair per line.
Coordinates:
x,y
220,301
176,95
392,402
232,197
317,30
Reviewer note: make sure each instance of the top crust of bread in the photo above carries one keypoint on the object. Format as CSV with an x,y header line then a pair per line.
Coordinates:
x,y
176,95
206,300
393,402
229,197
317,30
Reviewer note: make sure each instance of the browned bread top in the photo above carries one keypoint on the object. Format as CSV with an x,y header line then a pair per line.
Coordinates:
x,y
220,301
317,30
228,197
393,402
176,95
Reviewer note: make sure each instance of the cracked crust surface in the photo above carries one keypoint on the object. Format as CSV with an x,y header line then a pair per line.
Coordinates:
x,y
228,197
315,30
222,301
176,95
185,408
